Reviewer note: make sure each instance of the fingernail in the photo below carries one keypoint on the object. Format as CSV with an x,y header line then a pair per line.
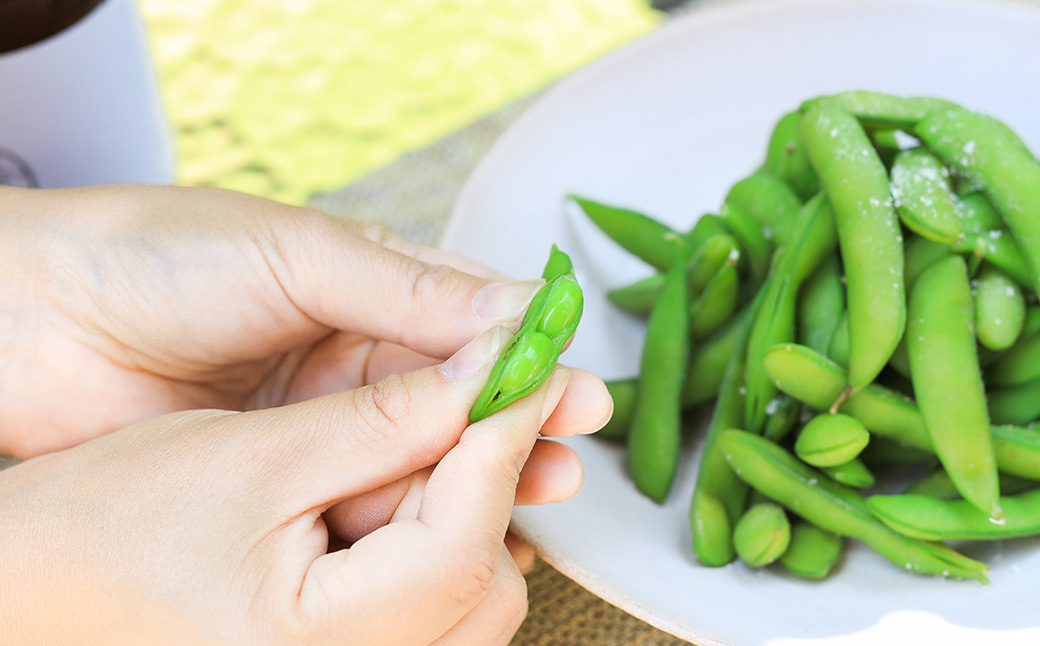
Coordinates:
x,y
474,355
505,301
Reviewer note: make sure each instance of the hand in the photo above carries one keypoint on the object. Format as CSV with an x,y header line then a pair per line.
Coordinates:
x,y
124,303
370,517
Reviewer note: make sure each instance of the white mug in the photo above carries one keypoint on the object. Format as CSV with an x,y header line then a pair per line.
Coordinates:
x,y
82,106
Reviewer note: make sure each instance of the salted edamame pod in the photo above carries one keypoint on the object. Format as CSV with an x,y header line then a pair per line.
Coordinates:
x,y
871,240
831,439
770,201
786,157
821,302
878,109
923,195
985,149
532,353
947,380
623,393
656,427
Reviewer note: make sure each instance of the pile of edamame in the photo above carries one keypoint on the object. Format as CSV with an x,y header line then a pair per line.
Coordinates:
x,y
863,305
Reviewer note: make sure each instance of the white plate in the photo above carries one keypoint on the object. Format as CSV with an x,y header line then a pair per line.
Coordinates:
x,y
666,126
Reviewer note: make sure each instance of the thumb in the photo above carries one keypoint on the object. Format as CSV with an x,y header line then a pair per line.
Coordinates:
x,y
409,295
347,443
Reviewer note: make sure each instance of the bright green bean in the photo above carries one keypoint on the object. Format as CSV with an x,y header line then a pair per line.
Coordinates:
x,y
1018,404
1019,365
716,304
937,484
782,416
924,199
934,519
762,534
623,392
869,234
812,239
719,497
708,360
1000,309
836,508
532,353
770,201
656,429
812,552
786,157
921,252
757,248
877,109
821,303
981,147
947,380
999,249
853,473
828,440
838,350
639,234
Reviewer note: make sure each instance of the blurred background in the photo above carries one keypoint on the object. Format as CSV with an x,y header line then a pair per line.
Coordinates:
x,y
288,99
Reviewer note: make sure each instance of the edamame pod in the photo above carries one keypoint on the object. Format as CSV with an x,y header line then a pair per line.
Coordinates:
x,y
770,201
1000,309
853,473
947,380
812,552
934,519
1018,404
836,508
532,353
623,392
878,109
758,249
981,147
637,233
821,303
813,238
923,196
656,428
716,304
831,439
717,487
998,248
762,534
870,237
786,157
708,361
920,253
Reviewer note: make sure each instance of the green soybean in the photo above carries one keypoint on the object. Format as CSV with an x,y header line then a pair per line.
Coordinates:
x,y
982,148
853,473
1000,309
878,109
708,360
831,439
656,428
934,519
770,201
1019,404
623,392
531,354
947,380
786,157
762,534
870,237
812,552
923,196
719,496
716,304
821,303
639,234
